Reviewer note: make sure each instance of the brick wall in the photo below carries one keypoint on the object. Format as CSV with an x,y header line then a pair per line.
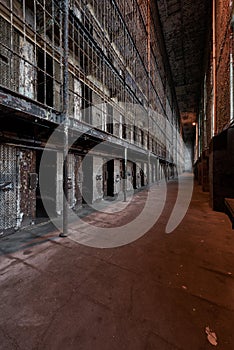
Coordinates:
x,y
222,59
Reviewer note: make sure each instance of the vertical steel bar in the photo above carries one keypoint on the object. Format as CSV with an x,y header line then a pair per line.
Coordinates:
x,y
148,169
149,81
125,175
65,115
197,150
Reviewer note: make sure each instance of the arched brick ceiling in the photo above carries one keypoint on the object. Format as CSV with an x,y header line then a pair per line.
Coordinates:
x,y
185,24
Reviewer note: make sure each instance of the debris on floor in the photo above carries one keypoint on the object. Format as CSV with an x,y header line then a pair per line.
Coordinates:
x,y
211,336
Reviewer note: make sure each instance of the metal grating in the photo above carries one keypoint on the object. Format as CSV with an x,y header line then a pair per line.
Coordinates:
x,y
5,60
8,187
71,180
110,60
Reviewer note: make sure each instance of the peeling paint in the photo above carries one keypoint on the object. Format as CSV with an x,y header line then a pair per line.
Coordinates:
x,y
27,70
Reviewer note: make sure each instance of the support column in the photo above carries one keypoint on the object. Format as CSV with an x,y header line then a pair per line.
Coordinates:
x,y
125,174
148,168
65,114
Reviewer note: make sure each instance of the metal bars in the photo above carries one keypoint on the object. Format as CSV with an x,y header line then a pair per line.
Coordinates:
x,y
108,60
8,187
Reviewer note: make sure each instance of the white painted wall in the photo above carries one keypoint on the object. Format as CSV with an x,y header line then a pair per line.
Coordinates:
x,y
97,183
27,71
117,179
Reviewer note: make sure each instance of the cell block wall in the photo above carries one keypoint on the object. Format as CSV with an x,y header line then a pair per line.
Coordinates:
x,y
116,65
9,187
18,182
30,49
28,185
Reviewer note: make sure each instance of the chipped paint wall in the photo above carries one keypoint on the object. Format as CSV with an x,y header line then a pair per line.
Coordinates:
x,y
26,69
78,181
77,99
9,187
98,163
27,165
75,181
71,180
59,183
17,187
117,176
138,175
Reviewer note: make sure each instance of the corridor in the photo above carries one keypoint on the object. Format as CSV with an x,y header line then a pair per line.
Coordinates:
x,y
158,292
107,111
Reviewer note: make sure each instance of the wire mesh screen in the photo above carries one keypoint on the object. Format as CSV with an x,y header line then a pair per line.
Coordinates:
x,y
8,187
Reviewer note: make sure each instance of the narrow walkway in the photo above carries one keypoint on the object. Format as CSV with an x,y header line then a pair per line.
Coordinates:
x,y
156,293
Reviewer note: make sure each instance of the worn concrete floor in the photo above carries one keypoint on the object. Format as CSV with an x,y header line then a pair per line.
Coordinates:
x,y
156,293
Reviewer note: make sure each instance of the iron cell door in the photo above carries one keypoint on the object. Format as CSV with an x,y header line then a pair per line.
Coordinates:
x,y
134,176
46,191
142,175
108,178
9,187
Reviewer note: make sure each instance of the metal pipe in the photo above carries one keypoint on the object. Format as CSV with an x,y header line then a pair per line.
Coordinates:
x,y
65,115
125,175
196,150
148,169
149,81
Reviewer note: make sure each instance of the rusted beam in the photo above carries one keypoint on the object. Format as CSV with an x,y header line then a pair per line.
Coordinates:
x,y
24,106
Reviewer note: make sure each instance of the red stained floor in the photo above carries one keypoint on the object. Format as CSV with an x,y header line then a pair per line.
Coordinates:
x,y
157,293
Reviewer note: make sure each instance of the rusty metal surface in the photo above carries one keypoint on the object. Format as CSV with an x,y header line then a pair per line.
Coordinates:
x,y
8,187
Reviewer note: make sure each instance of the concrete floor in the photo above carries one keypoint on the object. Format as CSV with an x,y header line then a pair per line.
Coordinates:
x,y
157,293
